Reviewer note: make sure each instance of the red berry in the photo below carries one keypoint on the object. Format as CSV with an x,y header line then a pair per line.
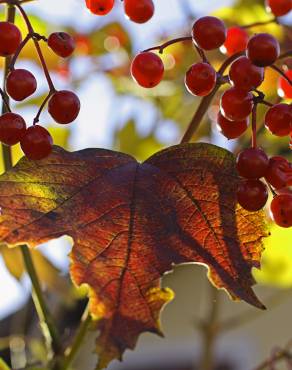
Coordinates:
x,y
263,49
147,69
61,43
231,129
236,104
139,11
200,79
209,33
245,75
100,7
64,106
36,143
285,89
10,38
279,119
252,163
236,40
281,209
20,84
12,128
279,7
252,195
279,173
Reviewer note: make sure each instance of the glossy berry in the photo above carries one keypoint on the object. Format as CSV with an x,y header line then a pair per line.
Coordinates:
x,y
61,43
278,119
285,89
10,38
231,129
100,7
139,11
236,104
245,75
279,173
263,49
236,40
12,128
147,69
279,7
200,79
20,84
252,195
252,163
36,143
209,33
281,209
64,106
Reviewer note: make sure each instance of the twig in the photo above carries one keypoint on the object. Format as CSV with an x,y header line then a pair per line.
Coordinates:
x,y
280,355
71,352
46,320
37,46
210,331
47,325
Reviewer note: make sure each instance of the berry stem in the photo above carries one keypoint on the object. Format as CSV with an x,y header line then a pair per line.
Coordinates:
x,y
161,47
206,101
18,51
37,117
5,101
200,112
254,126
279,70
37,46
263,23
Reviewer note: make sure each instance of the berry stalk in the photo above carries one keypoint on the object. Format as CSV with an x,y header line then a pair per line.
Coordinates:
x,y
37,46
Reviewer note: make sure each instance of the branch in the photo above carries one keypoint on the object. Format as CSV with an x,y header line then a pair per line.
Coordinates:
x,y
209,331
71,352
37,46
48,328
278,356
46,320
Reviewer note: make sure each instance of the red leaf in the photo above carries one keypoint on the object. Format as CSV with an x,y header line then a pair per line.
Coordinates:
x,y
131,223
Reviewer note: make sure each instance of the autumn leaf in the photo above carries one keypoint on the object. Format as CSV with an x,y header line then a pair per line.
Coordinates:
x,y
133,222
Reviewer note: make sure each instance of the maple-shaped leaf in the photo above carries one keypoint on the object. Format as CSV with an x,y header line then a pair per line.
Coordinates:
x,y
133,222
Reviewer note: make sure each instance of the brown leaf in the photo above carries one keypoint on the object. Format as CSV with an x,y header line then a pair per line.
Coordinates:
x,y
131,223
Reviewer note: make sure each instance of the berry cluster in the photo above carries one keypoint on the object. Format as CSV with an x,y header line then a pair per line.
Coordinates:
x,y
249,56
252,165
36,142
137,11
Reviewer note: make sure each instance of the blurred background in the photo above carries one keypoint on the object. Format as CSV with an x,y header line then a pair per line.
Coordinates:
x,y
118,114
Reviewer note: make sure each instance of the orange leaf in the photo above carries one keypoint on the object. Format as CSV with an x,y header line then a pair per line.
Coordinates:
x,y
131,223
